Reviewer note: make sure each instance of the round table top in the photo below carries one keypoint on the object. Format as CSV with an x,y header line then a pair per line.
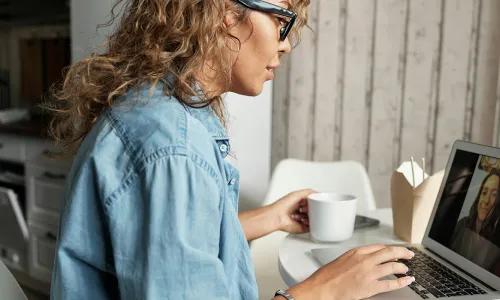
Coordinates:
x,y
296,262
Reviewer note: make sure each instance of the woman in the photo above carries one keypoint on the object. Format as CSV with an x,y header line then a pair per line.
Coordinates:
x,y
474,236
151,206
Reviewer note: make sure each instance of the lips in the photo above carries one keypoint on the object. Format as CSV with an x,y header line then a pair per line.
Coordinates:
x,y
270,71
272,68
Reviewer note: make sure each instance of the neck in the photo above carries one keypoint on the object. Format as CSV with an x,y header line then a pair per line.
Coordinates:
x,y
479,223
210,81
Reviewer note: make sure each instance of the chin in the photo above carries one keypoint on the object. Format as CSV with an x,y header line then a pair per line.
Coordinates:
x,y
250,90
254,93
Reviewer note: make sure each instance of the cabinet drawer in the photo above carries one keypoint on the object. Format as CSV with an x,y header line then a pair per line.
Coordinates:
x,y
49,191
45,193
11,148
42,249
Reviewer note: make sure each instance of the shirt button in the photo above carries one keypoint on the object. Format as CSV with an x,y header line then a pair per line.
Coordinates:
x,y
223,147
232,181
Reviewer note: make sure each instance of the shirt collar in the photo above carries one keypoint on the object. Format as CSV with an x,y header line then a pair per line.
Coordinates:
x,y
210,120
206,116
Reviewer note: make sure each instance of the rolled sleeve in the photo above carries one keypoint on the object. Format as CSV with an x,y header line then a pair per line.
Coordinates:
x,y
168,246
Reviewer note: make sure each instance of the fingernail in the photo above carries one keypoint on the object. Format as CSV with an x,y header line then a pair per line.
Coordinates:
x,y
301,210
410,279
407,269
412,254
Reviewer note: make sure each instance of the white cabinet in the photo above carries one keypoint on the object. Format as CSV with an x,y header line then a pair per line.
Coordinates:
x,y
45,186
20,148
36,183
45,182
11,148
42,249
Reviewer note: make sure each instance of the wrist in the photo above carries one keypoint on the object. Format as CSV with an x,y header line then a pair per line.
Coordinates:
x,y
301,291
276,217
283,295
311,289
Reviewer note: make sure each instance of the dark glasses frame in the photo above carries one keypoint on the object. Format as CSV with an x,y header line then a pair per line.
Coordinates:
x,y
273,9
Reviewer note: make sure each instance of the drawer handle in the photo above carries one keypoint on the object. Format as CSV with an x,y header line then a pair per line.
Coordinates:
x,y
49,235
50,175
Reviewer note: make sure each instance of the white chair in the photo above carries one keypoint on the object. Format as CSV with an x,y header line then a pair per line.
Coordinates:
x,y
293,174
9,288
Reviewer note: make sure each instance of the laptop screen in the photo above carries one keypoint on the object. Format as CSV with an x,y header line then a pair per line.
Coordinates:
x,y
466,220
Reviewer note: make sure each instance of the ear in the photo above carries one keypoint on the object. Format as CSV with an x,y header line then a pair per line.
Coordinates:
x,y
229,19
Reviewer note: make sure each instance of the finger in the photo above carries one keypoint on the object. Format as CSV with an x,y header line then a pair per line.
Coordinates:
x,y
369,249
303,209
390,253
364,250
303,193
304,228
383,286
389,269
299,217
297,227
297,199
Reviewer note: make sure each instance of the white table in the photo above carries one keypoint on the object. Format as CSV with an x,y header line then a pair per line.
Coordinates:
x,y
296,262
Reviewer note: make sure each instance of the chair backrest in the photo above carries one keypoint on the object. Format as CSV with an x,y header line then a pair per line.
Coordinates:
x,y
342,177
9,288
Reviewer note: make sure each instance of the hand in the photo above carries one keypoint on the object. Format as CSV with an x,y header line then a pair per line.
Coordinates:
x,y
291,212
355,275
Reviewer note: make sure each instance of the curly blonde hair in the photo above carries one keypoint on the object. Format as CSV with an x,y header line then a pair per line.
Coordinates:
x,y
154,38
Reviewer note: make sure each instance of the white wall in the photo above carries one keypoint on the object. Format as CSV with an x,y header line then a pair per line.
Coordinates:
x,y
250,133
85,16
249,120
381,81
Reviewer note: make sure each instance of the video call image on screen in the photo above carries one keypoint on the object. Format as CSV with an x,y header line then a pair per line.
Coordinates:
x,y
467,218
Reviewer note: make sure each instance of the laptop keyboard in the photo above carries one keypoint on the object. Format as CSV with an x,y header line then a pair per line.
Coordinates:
x,y
433,278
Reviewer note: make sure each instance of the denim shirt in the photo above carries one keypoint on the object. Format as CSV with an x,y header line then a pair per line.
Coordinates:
x,y
150,210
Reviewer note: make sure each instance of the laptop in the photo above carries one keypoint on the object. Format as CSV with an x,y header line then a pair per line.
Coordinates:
x,y
459,257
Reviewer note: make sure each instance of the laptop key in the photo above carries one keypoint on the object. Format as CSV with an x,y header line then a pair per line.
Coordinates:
x,y
434,282
452,294
436,278
436,293
471,291
427,286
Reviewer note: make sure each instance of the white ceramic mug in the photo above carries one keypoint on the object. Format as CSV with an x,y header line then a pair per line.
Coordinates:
x,y
331,216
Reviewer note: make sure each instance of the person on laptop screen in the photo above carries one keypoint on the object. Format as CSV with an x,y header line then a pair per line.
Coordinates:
x,y
474,235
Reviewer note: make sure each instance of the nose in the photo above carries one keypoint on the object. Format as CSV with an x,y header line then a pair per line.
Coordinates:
x,y
285,46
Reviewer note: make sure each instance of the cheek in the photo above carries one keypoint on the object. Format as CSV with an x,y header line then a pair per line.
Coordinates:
x,y
263,43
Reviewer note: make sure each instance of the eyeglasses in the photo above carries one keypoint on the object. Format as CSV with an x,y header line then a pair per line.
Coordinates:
x,y
273,9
